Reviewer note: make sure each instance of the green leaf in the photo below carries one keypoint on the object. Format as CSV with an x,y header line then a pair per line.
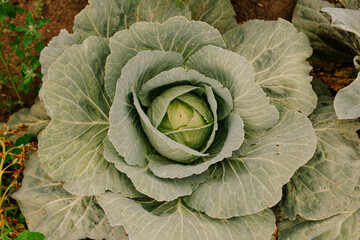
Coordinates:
x,y
24,67
160,105
218,13
249,100
38,35
21,29
39,47
180,76
344,225
347,101
27,42
322,187
19,9
278,54
345,19
104,18
172,36
25,139
56,48
125,124
71,146
206,133
179,3
201,106
41,22
174,220
21,218
35,118
147,183
217,95
2,17
57,214
35,63
27,235
29,19
20,53
4,234
228,138
163,144
8,10
253,181
327,41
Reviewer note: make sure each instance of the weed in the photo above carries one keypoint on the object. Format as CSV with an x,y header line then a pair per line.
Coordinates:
x,y
13,148
26,45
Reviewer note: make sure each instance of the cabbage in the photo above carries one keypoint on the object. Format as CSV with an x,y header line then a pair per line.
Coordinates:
x,y
169,124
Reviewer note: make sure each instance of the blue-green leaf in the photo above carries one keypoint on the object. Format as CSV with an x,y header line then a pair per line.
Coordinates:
x,y
278,53
71,146
173,35
174,220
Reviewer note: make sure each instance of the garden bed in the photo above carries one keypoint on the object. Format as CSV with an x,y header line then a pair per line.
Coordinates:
x,y
293,117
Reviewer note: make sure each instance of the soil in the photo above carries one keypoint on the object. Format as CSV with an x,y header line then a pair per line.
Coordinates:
x,y
263,9
62,15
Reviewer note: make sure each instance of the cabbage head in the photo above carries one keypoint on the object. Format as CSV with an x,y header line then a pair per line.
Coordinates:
x,y
174,123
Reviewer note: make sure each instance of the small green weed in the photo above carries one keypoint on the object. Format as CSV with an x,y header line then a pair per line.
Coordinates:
x,y
179,3
25,44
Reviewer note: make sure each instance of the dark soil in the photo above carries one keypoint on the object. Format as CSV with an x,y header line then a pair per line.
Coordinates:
x,y
62,15
263,9
335,75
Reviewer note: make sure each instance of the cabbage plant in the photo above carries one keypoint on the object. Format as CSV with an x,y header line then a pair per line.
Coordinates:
x,y
171,122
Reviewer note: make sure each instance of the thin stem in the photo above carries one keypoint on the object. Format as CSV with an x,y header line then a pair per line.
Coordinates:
x,y
3,170
11,76
2,164
5,193
3,225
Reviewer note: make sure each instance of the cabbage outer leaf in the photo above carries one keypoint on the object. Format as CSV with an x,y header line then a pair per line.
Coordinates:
x,y
104,18
146,182
35,118
172,35
56,47
326,40
345,19
347,100
57,214
344,225
234,73
71,146
248,184
278,54
218,13
322,187
174,220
